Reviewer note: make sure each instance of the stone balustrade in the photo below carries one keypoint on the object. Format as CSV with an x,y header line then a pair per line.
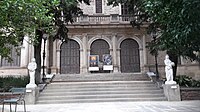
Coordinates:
x,y
103,19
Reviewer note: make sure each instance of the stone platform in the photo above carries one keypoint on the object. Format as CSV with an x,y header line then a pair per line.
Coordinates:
x,y
101,77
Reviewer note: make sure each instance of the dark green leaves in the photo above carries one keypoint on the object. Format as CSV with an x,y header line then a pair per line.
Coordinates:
x,y
180,25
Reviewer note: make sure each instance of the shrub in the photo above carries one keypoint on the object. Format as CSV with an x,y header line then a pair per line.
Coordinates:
x,y
8,82
187,81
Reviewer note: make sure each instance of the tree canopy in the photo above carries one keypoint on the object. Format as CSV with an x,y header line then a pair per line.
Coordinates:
x,y
179,23
19,18
176,21
23,17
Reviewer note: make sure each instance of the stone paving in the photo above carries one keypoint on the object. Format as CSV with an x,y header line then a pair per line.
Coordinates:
x,y
147,106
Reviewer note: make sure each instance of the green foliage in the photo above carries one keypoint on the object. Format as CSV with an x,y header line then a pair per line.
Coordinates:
x,y
22,17
8,82
19,18
178,21
187,81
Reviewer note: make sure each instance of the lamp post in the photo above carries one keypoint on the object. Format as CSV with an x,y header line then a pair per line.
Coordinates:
x,y
154,35
43,67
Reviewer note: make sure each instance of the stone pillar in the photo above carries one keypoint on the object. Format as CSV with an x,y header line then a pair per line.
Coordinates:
x,y
144,49
115,65
118,60
54,67
25,52
141,60
85,56
58,60
172,92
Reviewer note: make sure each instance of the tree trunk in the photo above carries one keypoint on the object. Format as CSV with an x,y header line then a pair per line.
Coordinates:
x,y
37,55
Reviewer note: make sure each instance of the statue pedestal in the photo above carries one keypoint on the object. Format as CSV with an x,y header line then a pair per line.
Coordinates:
x,y
31,95
172,92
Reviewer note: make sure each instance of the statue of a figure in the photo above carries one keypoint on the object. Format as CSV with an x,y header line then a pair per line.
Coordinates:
x,y
31,67
169,70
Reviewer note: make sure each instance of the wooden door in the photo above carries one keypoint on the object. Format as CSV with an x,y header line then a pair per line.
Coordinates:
x,y
70,58
129,56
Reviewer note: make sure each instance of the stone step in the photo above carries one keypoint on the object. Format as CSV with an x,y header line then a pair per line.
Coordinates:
x,y
108,84
100,77
93,96
99,86
100,100
56,93
100,89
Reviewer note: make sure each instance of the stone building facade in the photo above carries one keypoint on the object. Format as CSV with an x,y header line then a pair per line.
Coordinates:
x,y
101,30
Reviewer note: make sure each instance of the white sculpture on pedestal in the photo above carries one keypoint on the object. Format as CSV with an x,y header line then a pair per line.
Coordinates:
x,y
169,70
31,67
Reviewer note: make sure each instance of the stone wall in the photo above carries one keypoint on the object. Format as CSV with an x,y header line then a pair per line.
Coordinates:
x,y
13,72
190,93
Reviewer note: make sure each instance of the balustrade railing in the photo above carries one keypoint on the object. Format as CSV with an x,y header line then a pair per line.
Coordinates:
x,y
103,19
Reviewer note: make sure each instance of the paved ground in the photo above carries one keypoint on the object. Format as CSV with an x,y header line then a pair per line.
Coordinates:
x,y
147,106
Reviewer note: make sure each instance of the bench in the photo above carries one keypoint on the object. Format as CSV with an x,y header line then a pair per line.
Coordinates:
x,y
14,96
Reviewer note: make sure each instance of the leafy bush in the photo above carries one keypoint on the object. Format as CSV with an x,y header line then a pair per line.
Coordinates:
x,y
8,82
187,81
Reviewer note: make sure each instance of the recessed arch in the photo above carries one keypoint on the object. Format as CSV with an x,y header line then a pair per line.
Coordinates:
x,y
139,42
99,37
99,47
75,38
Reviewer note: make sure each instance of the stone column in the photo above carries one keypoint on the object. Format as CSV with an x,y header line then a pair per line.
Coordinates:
x,y
141,60
114,54
25,52
144,49
58,60
54,67
118,60
85,56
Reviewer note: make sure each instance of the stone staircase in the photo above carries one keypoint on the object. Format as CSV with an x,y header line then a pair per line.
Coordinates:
x,y
80,90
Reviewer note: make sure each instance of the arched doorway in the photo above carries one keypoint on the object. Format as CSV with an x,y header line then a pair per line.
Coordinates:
x,y
70,57
100,47
129,56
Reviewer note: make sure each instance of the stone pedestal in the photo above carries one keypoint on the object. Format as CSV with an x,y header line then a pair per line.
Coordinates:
x,y
54,70
115,69
31,95
172,92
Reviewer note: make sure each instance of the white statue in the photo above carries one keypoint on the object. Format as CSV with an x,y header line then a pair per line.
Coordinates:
x,y
169,70
31,67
